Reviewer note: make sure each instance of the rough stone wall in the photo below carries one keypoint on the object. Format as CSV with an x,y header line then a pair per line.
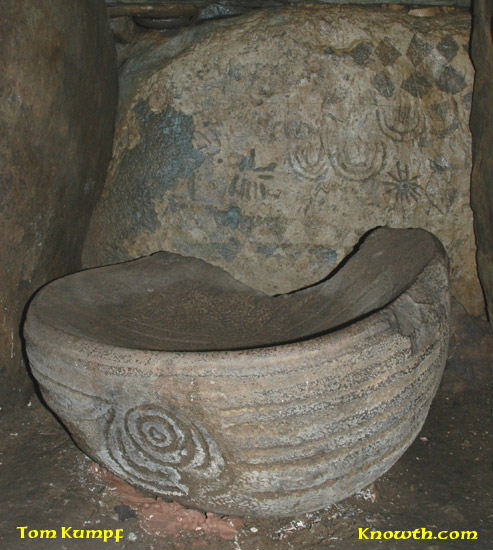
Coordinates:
x,y
57,107
482,131
153,6
269,144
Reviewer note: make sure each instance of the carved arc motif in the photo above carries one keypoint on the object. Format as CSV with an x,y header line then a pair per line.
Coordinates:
x,y
310,161
344,163
152,445
65,399
401,122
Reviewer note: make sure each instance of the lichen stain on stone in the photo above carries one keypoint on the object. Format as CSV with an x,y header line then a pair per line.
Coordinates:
x,y
168,141
325,254
232,217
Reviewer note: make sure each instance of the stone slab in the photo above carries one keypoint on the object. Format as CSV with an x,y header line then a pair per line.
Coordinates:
x,y
482,132
124,7
270,143
57,109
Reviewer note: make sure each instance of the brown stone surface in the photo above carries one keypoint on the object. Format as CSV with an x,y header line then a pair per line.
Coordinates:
x,y
129,357
57,102
273,165
482,131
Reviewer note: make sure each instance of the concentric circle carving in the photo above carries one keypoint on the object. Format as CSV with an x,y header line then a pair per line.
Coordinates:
x,y
158,448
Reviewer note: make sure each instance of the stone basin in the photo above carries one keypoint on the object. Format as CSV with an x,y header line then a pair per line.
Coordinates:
x,y
193,386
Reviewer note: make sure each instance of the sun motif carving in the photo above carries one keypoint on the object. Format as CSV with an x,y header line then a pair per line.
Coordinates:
x,y
402,186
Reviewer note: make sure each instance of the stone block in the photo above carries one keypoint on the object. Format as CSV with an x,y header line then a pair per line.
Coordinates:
x,y
57,108
268,144
482,132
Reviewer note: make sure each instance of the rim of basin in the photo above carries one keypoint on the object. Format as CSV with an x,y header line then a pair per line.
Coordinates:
x,y
167,303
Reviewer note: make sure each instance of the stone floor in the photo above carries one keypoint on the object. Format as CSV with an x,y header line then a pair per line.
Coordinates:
x,y
443,481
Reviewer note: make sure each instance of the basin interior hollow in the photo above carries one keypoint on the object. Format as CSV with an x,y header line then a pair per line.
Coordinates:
x,y
174,303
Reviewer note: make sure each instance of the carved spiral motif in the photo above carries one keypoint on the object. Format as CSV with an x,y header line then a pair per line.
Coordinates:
x,y
158,448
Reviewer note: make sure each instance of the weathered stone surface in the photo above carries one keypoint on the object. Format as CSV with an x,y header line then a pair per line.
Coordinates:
x,y
129,357
482,132
57,109
210,8
166,14
269,144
